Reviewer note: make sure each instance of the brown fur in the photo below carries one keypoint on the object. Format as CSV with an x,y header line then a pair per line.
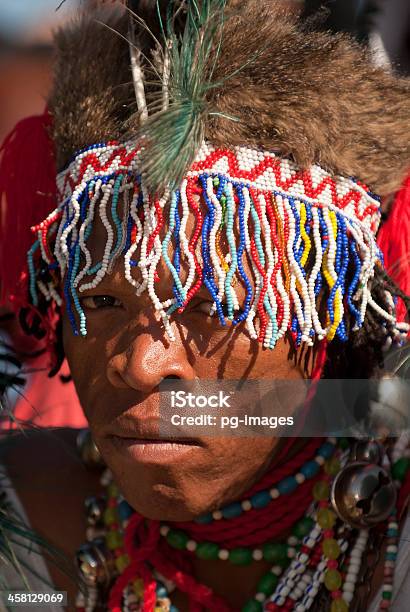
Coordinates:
x,y
313,96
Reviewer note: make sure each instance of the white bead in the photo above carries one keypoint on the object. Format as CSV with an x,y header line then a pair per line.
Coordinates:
x,y
257,554
348,597
191,545
223,554
260,597
246,505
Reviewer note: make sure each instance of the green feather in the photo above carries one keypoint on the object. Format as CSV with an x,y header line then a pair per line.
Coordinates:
x,y
173,136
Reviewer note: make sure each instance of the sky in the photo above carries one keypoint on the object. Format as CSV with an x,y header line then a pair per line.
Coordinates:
x,y
17,16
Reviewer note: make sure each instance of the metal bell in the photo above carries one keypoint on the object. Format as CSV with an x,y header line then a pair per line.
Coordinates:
x,y
94,508
88,451
368,451
363,494
95,562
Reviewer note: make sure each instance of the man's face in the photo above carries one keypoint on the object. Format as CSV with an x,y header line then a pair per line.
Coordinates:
x,y
117,369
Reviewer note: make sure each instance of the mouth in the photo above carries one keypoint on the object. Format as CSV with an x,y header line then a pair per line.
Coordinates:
x,y
152,450
139,438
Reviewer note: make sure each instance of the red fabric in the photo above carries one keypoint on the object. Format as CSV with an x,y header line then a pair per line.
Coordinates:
x,y
27,195
394,241
47,402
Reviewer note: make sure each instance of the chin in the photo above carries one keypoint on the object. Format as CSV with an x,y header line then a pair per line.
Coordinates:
x,y
162,502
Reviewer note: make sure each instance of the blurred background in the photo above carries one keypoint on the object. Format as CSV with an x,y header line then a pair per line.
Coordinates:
x,y
26,28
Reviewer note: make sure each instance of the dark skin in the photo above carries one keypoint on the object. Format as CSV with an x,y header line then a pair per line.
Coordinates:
x,y
116,369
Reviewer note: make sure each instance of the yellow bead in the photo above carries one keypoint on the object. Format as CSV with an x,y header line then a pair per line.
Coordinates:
x,y
321,491
332,466
110,516
113,490
114,540
339,605
138,587
326,518
331,548
333,580
122,562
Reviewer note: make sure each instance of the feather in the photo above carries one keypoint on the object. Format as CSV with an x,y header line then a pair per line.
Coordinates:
x,y
173,134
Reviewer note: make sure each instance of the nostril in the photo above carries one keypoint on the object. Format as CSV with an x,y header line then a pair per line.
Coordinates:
x,y
172,377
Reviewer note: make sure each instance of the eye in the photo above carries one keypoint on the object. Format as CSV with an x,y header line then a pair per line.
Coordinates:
x,y
205,306
96,302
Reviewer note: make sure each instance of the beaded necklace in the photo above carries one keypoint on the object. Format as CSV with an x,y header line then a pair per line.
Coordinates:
x,y
135,565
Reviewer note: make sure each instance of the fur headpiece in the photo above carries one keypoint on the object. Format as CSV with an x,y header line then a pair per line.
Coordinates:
x,y
313,96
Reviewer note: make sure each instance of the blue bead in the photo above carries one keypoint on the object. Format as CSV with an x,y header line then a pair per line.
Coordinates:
x,y
287,485
232,510
326,450
310,469
260,499
205,519
161,591
391,556
124,510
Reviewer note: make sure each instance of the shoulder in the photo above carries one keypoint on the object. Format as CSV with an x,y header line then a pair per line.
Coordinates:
x,y
51,482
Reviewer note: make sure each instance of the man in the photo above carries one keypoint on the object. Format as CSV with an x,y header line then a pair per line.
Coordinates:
x,y
193,220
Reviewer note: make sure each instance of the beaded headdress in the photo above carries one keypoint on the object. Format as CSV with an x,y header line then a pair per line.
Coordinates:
x,y
298,238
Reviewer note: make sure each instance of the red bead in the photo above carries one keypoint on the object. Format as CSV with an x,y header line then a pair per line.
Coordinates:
x,y
332,564
336,594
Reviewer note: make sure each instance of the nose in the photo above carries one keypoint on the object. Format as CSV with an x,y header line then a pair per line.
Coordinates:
x,y
146,362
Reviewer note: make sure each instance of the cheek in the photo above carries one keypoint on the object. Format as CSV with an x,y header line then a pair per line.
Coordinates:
x,y
86,361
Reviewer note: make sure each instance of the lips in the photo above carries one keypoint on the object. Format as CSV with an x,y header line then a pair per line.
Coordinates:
x,y
143,429
139,440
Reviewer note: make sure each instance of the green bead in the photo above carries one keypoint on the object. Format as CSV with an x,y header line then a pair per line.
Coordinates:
x,y
267,584
339,605
114,540
303,527
240,556
343,443
207,550
177,539
326,518
275,552
333,580
331,548
386,595
110,516
216,181
321,491
332,466
252,606
400,468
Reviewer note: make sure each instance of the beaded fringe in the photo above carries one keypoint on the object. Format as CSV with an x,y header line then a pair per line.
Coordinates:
x,y
305,235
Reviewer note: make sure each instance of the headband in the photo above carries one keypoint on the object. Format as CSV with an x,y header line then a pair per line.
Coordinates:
x,y
306,234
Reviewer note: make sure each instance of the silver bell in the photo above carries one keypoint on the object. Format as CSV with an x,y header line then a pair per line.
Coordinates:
x,y
369,451
94,508
95,562
89,452
363,494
